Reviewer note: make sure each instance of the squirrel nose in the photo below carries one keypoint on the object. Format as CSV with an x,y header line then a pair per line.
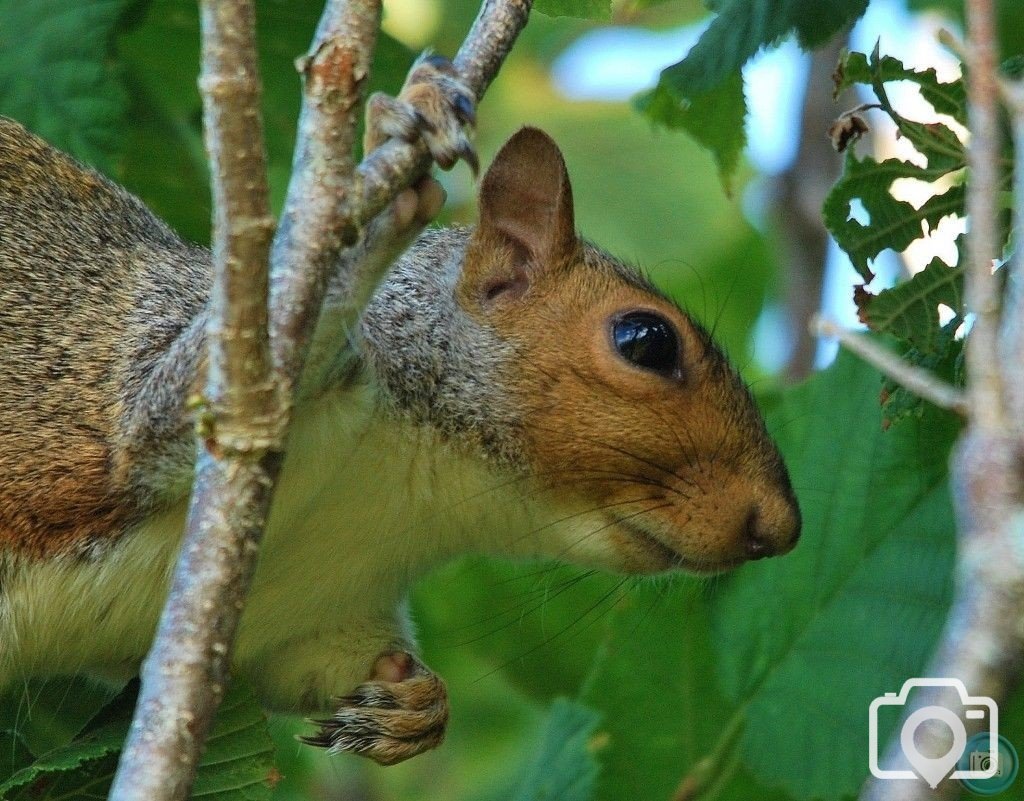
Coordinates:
x,y
760,541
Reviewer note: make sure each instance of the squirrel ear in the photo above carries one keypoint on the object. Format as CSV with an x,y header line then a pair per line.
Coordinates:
x,y
526,210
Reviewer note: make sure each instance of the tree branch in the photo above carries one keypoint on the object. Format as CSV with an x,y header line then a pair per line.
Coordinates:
x,y
396,165
1012,334
251,376
981,287
322,208
982,643
919,381
185,674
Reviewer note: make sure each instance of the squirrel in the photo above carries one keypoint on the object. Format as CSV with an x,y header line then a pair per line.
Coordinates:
x,y
507,389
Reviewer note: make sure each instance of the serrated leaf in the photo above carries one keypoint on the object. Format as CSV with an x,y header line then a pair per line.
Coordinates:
x,y
945,360
49,713
949,98
565,767
583,9
910,310
702,94
45,778
14,753
805,642
743,27
893,223
714,118
57,76
937,142
238,758
236,764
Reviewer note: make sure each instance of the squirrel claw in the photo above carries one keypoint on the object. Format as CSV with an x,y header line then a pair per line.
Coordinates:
x,y
387,721
435,106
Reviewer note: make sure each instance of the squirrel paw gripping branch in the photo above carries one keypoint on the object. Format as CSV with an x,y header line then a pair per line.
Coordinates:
x,y
508,389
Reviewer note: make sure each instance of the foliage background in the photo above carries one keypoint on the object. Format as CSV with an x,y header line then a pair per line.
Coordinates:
x,y
564,685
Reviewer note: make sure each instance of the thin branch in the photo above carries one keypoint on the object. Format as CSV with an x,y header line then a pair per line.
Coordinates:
x,y
322,208
251,381
395,165
922,383
382,174
186,672
981,287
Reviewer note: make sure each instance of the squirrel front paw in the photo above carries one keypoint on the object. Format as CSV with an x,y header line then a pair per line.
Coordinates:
x,y
433,105
400,712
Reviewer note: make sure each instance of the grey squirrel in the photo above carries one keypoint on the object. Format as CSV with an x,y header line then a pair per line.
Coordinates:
x,y
508,389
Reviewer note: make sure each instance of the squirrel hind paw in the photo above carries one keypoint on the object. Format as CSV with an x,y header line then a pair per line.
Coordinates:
x,y
387,721
434,105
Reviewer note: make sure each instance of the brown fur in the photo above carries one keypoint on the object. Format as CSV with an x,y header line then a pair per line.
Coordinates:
x,y
102,310
596,426
93,290
495,344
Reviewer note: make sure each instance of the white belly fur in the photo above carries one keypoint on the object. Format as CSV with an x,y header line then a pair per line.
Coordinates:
x,y
363,507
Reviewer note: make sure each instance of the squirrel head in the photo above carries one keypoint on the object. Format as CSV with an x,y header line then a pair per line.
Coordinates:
x,y
566,364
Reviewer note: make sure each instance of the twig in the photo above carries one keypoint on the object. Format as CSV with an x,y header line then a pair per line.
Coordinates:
x,y
322,208
395,165
186,672
919,381
251,382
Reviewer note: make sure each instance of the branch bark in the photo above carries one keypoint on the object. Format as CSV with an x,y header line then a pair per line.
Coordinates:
x,y
186,672
983,642
800,193
921,382
254,363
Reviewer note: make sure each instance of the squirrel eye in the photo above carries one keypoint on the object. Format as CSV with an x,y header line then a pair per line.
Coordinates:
x,y
647,340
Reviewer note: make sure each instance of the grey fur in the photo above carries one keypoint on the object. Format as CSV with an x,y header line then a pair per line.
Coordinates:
x,y
433,362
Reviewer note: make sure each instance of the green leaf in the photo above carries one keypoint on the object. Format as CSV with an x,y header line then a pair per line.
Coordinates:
x,y
585,9
238,760
57,76
893,223
703,93
49,713
14,753
236,764
654,642
564,768
714,118
805,642
165,158
655,685
945,360
743,27
938,143
946,98
87,757
910,310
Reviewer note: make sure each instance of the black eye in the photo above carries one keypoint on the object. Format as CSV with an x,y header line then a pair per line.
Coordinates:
x,y
647,340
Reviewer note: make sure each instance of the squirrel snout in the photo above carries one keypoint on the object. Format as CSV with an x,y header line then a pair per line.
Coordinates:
x,y
770,532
